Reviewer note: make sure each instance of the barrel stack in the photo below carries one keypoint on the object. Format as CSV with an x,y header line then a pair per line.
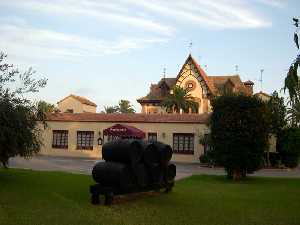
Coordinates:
x,y
132,166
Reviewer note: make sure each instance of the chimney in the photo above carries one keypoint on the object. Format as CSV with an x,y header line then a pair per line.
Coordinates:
x,y
249,86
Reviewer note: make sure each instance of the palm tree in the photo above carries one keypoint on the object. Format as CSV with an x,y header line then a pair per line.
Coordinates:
x,y
294,114
178,99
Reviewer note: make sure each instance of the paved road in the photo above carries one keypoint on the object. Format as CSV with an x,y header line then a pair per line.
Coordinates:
x,y
84,166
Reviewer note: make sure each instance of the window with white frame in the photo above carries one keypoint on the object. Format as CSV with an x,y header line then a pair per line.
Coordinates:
x,y
183,143
152,137
60,139
85,140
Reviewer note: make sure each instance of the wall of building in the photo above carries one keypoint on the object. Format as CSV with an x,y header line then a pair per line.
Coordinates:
x,y
164,134
75,105
88,108
70,103
152,109
188,75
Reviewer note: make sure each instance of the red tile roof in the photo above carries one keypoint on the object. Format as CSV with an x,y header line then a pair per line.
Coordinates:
x,y
215,84
204,75
81,99
129,118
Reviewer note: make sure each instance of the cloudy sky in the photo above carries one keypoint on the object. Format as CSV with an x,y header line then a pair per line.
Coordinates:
x,y
112,50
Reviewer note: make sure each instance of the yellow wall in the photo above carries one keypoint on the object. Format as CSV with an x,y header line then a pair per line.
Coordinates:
x,y
88,108
77,106
263,97
190,74
164,134
150,109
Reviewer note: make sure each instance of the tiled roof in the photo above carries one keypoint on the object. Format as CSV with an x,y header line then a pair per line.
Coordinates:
x,y
208,82
129,118
170,81
262,93
81,99
215,84
220,81
248,82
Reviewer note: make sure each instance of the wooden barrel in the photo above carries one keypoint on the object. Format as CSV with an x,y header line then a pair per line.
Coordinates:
x,y
157,153
156,174
170,173
113,174
141,175
128,151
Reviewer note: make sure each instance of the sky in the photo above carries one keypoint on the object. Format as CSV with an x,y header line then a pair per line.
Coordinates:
x,y
112,50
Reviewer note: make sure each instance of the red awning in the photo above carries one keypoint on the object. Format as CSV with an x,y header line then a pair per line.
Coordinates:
x,y
121,130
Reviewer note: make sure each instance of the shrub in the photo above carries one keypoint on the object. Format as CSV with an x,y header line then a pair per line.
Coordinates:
x,y
274,158
204,158
239,133
289,146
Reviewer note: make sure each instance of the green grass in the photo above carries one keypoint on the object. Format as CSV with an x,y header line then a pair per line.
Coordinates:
x,y
37,198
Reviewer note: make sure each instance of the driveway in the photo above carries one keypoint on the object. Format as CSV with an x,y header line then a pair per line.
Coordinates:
x,y
84,166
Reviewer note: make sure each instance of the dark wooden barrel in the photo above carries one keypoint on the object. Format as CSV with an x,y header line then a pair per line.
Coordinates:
x,y
157,153
113,174
170,173
156,174
128,151
141,175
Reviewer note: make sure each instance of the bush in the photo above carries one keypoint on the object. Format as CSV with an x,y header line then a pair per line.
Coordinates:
x,y
274,158
208,158
289,146
239,133
204,158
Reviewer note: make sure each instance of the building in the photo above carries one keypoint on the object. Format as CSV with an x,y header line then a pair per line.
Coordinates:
x,y
201,87
83,134
76,104
263,96
78,131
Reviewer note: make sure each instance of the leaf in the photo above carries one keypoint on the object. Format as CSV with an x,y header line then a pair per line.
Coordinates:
x,y
296,40
296,21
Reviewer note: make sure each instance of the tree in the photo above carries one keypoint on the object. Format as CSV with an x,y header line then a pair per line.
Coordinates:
x,y
289,146
276,112
125,107
43,108
111,109
178,99
292,80
239,133
294,114
19,117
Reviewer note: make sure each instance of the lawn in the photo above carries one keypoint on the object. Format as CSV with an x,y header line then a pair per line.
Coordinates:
x,y
37,198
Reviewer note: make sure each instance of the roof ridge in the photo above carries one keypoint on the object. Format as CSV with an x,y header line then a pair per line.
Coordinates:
x,y
82,99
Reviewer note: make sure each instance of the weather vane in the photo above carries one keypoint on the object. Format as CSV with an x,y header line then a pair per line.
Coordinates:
x,y
261,79
236,68
191,46
164,72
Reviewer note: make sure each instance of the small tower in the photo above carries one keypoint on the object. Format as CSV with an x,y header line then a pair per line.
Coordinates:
x,y
249,86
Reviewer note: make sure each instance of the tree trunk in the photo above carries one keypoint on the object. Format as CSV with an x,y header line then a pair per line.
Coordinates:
x,y
4,164
237,175
268,157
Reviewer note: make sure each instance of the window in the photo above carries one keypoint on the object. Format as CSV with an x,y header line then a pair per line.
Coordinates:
x,y
69,111
112,138
152,137
85,140
183,143
60,139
